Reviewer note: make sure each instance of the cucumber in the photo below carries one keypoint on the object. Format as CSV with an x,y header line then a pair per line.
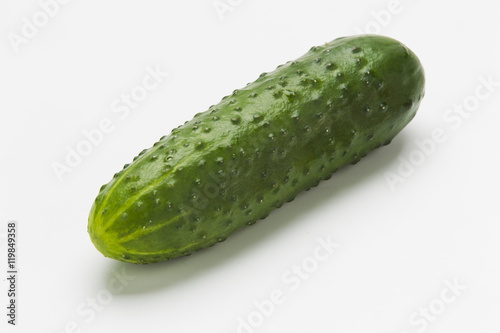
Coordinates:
x,y
257,149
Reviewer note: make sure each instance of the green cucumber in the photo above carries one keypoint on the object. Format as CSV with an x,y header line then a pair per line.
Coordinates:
x,y
257,149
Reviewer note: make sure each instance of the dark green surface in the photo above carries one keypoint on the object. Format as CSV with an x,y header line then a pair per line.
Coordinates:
x,y
257,149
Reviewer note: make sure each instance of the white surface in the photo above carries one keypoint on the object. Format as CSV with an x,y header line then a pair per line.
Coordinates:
x,y
398,249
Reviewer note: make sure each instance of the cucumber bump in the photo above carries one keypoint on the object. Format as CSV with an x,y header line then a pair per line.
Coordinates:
x,y
258,148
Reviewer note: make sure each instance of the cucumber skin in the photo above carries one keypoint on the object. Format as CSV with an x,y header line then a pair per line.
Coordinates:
x,y
257,149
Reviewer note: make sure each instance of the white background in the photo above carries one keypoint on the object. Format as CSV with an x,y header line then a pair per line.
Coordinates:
x,y
400,246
